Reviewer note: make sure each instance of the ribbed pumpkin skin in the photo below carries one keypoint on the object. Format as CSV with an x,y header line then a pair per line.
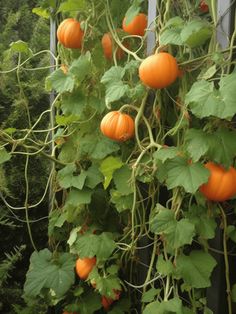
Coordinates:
x,y
84,266
137,26
107,46
159,70
69,33
221,184
117,126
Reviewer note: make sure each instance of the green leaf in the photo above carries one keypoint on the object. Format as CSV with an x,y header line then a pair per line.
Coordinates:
x,y
122,202
165,268
97,147
60,82
77,197
81,67
197,143
164,221
205,100
89,302
19,46
115,88
47,272
231,232
207,74
10,130
166,153
226,141
177,233
122,180
4,156
121,307
96,103
107,168
93,176
171,306
150,295
73,103
133,10
196,33
204,224
114,74
207,311
67,178
196,268
233,293
115,91
72,5
69,151
89,245
41,12
180,172
105,285
171,32
66,120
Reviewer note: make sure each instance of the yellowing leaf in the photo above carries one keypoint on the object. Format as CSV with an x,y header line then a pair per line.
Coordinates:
x,y
107,168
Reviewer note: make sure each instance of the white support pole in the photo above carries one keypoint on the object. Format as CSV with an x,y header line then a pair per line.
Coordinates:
x,y
224,28
53,48
151,37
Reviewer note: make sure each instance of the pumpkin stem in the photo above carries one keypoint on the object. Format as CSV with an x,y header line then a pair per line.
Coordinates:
x,y
77,17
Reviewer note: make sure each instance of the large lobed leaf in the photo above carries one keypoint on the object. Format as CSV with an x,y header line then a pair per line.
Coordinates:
x,y
219,146
205,100
196,268
50,272
177,233
180,172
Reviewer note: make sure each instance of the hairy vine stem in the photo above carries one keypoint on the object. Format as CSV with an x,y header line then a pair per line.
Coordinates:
x,y
26,202
228,288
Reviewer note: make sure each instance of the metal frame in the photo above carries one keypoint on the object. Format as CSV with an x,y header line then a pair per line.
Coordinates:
x,y
225,17
151,36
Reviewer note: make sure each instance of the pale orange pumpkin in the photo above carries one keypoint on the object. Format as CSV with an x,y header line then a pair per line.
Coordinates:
x,y
137,26
108,45
221,184
117,126
107,302
84,266
70,34
159,70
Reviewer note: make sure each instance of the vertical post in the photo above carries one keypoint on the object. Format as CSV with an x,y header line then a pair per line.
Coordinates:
x,y
53,50
216,294
52,98
144,255
151,37
224,29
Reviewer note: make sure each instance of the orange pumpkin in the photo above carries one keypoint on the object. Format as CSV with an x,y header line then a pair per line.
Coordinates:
x,y
70,34
117,126
159,70
108,45
107,302
84,266
221,184
203,6
137,26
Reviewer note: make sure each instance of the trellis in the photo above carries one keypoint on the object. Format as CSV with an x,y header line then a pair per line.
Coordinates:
x,y
216,296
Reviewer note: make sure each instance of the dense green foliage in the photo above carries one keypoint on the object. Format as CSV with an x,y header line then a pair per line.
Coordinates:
x,y
134,205
18,23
